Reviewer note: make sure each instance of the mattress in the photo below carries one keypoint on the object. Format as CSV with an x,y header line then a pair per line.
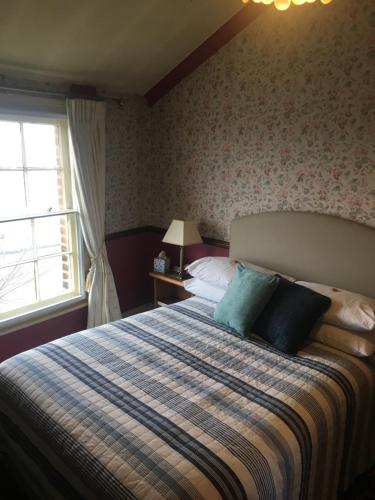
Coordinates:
x,y
169,404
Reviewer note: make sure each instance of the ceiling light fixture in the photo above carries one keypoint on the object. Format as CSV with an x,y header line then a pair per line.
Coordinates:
x,y
285,4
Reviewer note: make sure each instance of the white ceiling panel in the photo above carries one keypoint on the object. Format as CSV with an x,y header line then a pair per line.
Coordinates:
x,y
122,44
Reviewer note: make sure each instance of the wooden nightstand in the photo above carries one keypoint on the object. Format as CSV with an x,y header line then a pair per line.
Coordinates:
x,y
168,289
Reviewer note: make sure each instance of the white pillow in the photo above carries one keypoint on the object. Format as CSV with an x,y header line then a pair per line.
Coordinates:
x,y
203,289
219,271
361,344
348,310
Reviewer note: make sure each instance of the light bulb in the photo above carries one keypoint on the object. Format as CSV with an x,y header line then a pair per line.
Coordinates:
x,y
310,1
267,2
282,4
298,2
326,1
245,1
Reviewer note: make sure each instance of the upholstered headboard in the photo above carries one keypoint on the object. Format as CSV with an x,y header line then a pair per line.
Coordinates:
x,y
309,246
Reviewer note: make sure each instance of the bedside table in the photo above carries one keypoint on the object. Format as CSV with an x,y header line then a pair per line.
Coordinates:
x,y
168,289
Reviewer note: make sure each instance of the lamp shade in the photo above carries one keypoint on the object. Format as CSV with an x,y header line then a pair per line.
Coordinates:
x,y
182,233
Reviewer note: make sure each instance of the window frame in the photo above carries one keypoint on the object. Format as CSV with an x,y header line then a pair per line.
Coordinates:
x,y
66,301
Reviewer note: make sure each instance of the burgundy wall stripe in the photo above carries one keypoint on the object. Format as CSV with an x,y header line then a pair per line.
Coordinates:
x,y
160,230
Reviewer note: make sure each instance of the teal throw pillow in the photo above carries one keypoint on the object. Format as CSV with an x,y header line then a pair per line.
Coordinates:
x,y
245,298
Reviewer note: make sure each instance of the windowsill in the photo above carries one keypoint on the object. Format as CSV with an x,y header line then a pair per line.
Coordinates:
x,y
43,314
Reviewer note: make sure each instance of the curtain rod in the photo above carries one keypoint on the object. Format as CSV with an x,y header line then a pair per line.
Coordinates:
x,y
56,95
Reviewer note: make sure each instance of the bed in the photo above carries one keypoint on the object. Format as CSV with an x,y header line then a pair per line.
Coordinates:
x,y
170,404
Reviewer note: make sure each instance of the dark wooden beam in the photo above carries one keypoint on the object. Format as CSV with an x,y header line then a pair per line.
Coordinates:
x,y
209,47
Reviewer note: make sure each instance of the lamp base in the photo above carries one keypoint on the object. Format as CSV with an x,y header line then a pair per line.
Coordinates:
x,y
181,271
181,276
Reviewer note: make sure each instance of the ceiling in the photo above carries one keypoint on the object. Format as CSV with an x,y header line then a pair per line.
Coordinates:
x,y
127,45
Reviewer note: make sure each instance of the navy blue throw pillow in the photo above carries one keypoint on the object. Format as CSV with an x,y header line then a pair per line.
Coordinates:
x,y
290,315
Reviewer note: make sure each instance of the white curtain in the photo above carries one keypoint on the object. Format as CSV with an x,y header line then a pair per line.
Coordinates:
x,y
87,132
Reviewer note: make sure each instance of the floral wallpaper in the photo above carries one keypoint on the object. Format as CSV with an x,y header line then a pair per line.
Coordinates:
x,y
124,144
281,118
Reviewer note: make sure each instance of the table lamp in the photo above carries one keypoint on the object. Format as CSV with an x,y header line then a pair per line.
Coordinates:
x,y
182,233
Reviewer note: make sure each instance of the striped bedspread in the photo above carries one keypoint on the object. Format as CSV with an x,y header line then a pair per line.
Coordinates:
x,y
169,405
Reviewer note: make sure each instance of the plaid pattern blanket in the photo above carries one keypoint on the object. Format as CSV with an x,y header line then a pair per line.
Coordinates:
x,y
169,404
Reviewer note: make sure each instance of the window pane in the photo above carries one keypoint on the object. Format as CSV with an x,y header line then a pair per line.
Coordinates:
x,y
17,288
45,190
32,181
41,145
54,276
10,145
12,194
52,235
15,242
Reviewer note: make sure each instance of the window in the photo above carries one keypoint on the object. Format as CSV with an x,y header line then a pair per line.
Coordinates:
x,y
40,240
